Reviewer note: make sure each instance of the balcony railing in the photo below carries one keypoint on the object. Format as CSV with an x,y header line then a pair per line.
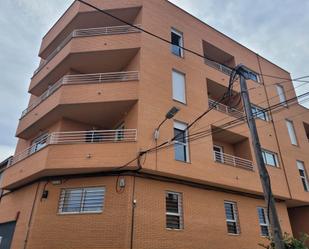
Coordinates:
x,y
113,30
224,69
225,109
77,137
83,79
233,160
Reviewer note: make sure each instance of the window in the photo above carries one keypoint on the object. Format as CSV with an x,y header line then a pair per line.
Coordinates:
x,y
119,132
218,154
174,217
1,172
291,131
263,220
270,158
303,175
179,86
251,75
38,143
177,43
260,113
181,146
81,200
231,217
281,94
306,126
94,136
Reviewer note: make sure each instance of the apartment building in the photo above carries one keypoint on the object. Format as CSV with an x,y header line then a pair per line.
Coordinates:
x,y
101,90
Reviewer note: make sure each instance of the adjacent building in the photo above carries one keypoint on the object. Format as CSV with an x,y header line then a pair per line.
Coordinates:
x,y
99,93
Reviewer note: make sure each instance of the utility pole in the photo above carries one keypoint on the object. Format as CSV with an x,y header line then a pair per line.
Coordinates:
x,y
264,176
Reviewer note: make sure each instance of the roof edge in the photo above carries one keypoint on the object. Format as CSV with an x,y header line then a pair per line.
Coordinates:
x,y
233,40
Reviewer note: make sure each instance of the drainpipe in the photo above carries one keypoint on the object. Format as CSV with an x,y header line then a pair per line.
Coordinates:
x,y
31,215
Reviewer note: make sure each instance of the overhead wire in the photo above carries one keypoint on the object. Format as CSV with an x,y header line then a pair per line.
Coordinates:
x,y
166,40
237,121
257,104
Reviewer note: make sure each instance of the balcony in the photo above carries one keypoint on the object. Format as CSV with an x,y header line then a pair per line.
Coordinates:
x,y
87,98
218,58
233,160
106,49
225,109
79,16
220,67
83,79
71,152
231,148
115,30
231,106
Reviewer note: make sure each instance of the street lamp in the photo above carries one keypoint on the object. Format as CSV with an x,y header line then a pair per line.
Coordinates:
x,y
169,115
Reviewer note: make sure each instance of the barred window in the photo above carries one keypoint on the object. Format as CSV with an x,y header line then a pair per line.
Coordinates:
x,y
82,200
174,216
231,214
263,220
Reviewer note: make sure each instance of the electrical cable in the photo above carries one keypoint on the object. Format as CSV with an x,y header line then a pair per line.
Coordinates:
x,y
232,77
276,96
166,40
282,82
237,121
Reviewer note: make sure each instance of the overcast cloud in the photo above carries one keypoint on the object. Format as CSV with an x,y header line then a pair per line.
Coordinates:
x,y
277,30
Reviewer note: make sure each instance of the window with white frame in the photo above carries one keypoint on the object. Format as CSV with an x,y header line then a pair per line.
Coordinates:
x,y
270,158
179,86
1,173
249,74
306,127
39,143
281,94
263,221
174,215
260,113
303,175
81,200
120,132
181,146
218,153
291,131
177,43
231,214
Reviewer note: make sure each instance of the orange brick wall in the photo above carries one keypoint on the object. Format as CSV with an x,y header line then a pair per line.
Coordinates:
x,y
203,213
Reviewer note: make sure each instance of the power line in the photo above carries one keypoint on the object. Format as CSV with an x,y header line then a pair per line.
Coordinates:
x,y
282,78
166,40
256,104
282,82
145,31
212,131
236,121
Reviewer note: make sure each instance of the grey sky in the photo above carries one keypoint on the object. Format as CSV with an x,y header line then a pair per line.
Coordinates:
x,y
277,30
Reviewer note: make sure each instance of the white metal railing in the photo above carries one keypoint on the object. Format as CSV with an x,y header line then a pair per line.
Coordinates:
x,y
113,30
233,160
224,69
85,79
38,145
226,109
77,137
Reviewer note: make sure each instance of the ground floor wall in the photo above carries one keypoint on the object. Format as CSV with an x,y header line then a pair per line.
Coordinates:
x,y
133,216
